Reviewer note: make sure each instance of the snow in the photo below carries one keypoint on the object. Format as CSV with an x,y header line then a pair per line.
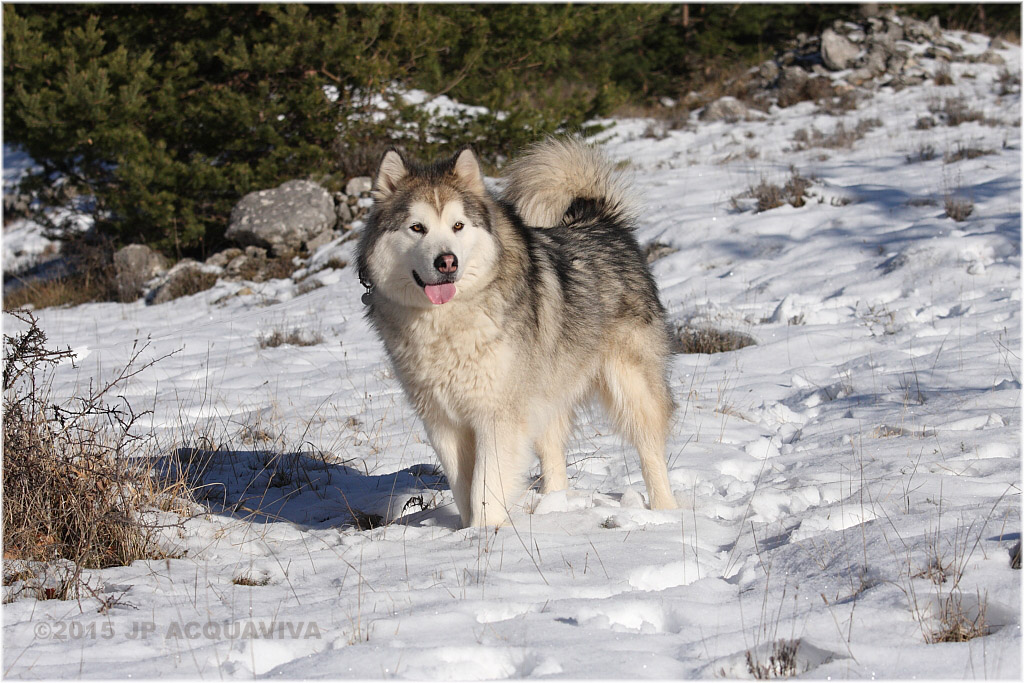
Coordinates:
x,y
873,427
24,241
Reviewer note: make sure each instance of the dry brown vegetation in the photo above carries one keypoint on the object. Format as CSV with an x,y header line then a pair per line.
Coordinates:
x,y
965,152
839,138
295,336
192,282
782,662
771,196
89,276
73,485
709,340
958,209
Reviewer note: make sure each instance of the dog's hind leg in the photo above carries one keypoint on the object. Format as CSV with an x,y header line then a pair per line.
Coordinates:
x,y
635,393
550,447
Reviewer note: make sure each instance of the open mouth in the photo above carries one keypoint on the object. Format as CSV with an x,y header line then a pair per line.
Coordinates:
x,y
440,292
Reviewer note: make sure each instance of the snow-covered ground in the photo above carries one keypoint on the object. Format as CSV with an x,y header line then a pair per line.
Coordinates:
x,y
871,433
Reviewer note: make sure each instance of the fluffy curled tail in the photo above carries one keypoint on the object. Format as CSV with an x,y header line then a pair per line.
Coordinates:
x,y
550,175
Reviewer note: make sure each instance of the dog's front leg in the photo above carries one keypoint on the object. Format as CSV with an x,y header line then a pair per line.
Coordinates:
x,y
501,450
455,449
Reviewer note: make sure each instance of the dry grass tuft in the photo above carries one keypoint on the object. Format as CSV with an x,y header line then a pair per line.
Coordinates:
x,y
87,275
656,250
195,280
839,138
782,662
73,488
955,111
925,152
250,580
771,196
709,340
958,209
943,76
965,152
958,624
295,337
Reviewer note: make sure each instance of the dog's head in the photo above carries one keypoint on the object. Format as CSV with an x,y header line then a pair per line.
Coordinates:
x,y
429,237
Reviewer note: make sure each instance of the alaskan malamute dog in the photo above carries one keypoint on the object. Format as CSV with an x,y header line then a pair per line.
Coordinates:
x,y
502,314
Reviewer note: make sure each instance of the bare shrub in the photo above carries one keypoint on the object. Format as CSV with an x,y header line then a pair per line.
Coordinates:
x,y
73,488
924,123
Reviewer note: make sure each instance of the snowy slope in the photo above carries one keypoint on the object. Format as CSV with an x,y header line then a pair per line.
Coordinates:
x,y
873,429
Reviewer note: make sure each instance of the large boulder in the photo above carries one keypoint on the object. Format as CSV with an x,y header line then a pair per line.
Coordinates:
x,y
282,219
837,52
135,265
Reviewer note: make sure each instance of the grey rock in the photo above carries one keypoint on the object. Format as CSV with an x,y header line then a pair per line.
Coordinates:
x,y
856,36
135,265
237,265
920,31
859,76
358,186
769,71
320,240
222,258
284,218
341,208
989,57
727,109
953,47
897,61
935,52
997,43
877,59
837,52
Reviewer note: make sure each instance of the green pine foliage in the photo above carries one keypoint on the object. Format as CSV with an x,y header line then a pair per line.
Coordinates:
x,y
158,118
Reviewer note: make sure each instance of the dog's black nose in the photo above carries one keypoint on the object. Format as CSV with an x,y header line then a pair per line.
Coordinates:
x,y
446,263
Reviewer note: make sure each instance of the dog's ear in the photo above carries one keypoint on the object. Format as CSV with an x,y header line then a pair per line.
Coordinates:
x,y
467,170
392,169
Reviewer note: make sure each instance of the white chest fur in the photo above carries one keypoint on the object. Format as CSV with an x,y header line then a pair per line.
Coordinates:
x,y
452,357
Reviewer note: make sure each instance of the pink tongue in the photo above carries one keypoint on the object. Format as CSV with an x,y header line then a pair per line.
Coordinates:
x,y
440,294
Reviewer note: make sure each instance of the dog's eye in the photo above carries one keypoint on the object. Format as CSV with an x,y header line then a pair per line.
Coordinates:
x,y
417,227
459,225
